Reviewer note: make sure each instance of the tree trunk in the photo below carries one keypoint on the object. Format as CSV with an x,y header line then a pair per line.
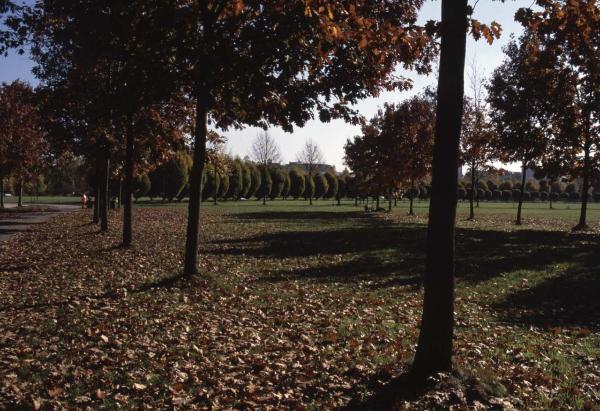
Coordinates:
x,y
128,210
191,245
96,214
390,201
472,196
215,183
310,194
105,195
1,192
585,187
20,189
521,196
355,201
434,350
411,210
120,192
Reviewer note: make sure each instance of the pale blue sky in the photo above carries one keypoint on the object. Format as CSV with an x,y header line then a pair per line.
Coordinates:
x,y
332,136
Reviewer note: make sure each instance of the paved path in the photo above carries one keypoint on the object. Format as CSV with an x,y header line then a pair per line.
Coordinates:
x,y
14,223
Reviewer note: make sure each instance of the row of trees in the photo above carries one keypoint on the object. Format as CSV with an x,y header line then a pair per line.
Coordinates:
x,y
534,111
235,179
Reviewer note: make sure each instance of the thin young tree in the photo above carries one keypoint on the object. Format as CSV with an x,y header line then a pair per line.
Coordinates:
x,y
265,152
310,157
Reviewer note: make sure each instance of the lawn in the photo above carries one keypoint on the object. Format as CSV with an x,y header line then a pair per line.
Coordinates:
x,y
297,307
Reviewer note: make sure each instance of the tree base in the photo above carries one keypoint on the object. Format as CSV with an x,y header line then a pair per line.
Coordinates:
x,y
581,227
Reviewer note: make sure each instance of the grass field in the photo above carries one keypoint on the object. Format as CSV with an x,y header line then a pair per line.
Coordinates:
x,y
297,307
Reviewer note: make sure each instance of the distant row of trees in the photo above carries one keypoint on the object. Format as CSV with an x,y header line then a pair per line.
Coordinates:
x,y
234,179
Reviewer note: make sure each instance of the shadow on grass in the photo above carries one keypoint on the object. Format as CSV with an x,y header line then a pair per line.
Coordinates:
x,y
571,299
393,254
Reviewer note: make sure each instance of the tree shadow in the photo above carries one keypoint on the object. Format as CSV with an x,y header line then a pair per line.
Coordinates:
x,y
571,299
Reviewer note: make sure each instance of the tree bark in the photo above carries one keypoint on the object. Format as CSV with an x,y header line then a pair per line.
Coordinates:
x,y
521,196
20,189
105,194
191,245
390,201
215,183
1,192
585,187
434,350
128,206
310,194
120,193
472,196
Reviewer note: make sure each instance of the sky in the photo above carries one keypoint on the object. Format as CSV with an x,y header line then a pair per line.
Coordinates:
x,y
332,136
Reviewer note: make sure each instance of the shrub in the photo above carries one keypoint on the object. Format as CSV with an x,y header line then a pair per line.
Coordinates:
x,y
255,179
224,186
535,195
278,178
497,195
526,196
266,183
480,194
462,193
516,194
246,180
506,195
554,196
544,195
297,183
321,186
286,185
309,187
332,185
575,196
236,183
564,196
489,196
141,186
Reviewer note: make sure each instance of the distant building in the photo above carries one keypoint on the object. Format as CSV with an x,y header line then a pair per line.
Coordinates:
x,y
317,168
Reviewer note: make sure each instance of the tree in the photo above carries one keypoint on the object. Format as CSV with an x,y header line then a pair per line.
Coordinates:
x,y
255,179
141,186
321,186
22,138
265,152
570,30
246,180
332,185
108,84
394,150
266,184
434,349
310,157
245,62
476,148
518,97
175,175
287,185
278,177
297,183
309,187
236,180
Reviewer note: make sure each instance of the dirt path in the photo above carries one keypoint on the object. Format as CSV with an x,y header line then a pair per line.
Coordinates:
x,y
13,223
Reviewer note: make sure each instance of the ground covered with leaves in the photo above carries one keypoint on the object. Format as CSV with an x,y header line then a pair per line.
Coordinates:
x,y
294,310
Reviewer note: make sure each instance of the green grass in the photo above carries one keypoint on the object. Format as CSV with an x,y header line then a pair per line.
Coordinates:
x,y
563,211
45,199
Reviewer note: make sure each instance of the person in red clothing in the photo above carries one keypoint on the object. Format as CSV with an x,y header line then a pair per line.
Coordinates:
x,y
83,200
